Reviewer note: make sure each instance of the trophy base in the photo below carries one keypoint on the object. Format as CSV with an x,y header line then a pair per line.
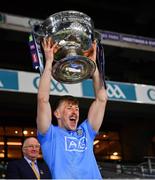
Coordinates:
x,y
73,69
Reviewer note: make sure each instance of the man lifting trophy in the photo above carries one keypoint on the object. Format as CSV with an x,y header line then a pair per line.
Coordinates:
x,y
74,33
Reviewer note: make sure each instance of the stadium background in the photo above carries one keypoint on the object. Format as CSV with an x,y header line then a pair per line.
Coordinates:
x,y
128,127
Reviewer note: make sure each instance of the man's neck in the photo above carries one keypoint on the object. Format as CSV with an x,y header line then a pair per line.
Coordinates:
x,y
30,159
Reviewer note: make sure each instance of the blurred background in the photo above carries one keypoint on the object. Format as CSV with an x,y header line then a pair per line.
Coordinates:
x,y
126,142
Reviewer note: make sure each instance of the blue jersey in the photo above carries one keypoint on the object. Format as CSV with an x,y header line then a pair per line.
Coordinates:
x,y
69,154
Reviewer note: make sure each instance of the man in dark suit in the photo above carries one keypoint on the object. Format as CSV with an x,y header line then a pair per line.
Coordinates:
x,y
28,167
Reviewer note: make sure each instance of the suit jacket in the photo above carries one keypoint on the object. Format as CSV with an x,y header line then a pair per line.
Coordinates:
x,y
20,169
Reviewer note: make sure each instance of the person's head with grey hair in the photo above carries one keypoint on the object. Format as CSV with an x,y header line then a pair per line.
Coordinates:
x,y
31,148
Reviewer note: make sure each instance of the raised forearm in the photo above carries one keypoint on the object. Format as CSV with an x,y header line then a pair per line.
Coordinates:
x,y
99,88
45,82
44,114
97,108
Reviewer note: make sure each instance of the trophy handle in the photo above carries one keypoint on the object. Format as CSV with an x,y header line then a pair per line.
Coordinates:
x,y
100,58
37,29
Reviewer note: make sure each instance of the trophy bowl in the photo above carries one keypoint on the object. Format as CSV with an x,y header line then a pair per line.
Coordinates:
x,y
74,33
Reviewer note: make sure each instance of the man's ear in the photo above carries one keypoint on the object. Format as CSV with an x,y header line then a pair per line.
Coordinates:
x,y
56,114
23,150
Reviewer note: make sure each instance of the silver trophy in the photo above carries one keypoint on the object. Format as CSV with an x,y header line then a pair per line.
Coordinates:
x,y
74,33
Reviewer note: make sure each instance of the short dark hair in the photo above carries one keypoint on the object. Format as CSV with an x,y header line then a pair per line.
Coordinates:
x,y
67,98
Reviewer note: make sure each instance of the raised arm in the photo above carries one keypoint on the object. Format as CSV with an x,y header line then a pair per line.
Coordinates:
x,y
44,112
97,108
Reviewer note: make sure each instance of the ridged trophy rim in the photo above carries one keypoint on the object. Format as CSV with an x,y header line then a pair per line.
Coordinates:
x,y
71,12
40,29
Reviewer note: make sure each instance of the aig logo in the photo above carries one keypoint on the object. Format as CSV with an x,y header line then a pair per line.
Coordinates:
x,y
75,144
151,94
55,86
114,91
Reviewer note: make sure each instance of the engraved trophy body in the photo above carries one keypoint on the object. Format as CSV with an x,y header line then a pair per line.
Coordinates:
x,y
74,33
